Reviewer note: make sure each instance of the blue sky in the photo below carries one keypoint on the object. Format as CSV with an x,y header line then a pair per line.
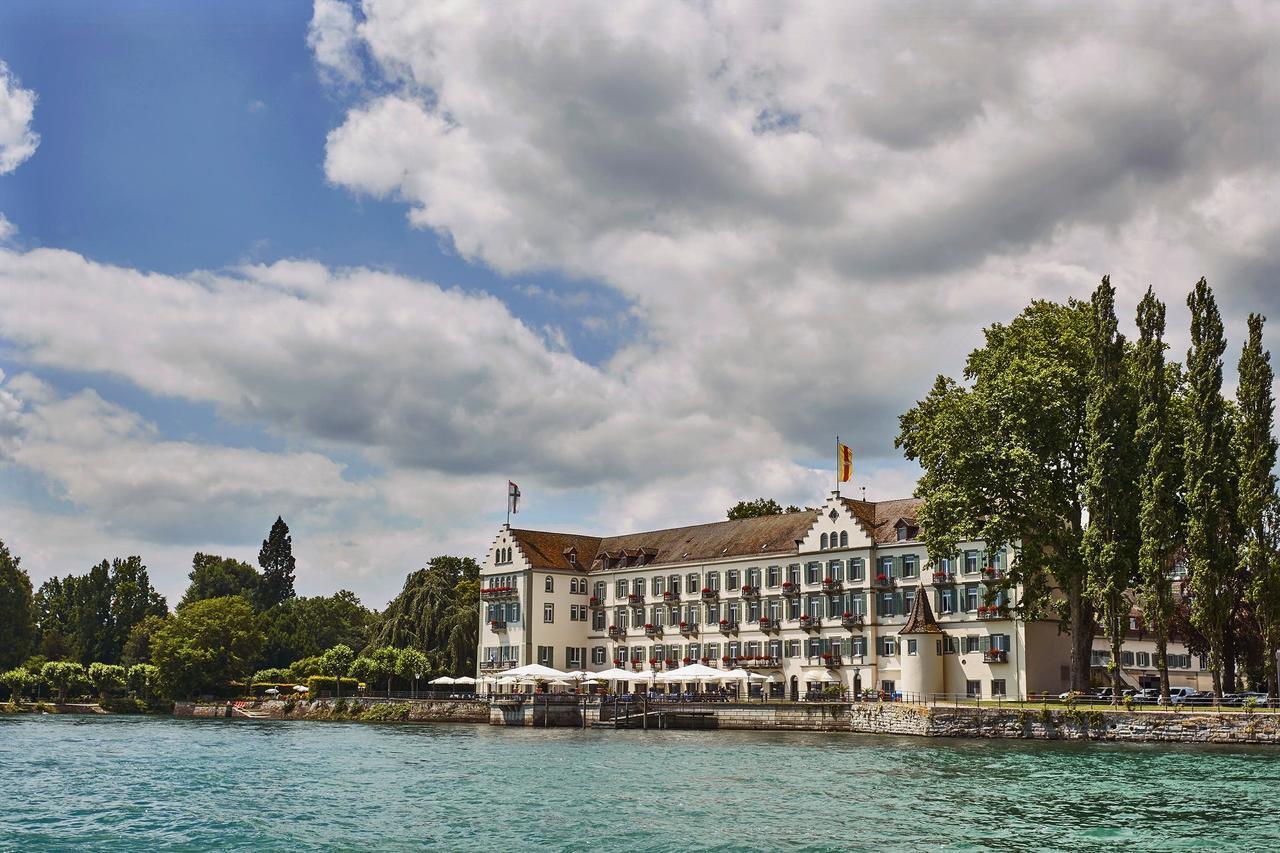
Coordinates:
x,y
361,265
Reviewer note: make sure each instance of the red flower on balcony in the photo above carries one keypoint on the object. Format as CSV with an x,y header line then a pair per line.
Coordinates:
x,y
846,615
826,655
724,621
828,580
881,577
648,626
687,661
653,661
684,625
706,590
726,659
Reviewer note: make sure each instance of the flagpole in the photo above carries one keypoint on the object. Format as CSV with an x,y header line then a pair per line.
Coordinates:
x,y
508,503
839,461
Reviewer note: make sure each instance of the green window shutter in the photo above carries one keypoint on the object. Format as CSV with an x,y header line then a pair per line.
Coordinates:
x,y
984,643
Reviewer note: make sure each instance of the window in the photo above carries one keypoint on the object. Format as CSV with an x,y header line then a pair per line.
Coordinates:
x,y
886,566
910,566
1126,658
733,613
638,586
753,610
620,617
950,644
793,574
859,647
1133,623
1144,659
886,646
597,621
545,654
911,647
732,578
835,570
947,600
813,573
970,562
599,593
573,586
713,651
597,654
971,596
753,578
674,581
573,656
856,569
773,577
620,588
972,642
973,689
814,607
713,580
902,533
823,546
908,600
691,583
713,614
659,584
997,687
887,602
844,539
1000,642
886,686
793,648
944,565
548,612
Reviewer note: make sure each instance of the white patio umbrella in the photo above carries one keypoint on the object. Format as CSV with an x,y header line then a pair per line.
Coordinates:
x,y
737,675
826,677
616,674
695,672
301,688
559,682
444,679
465,679
535,670
273,691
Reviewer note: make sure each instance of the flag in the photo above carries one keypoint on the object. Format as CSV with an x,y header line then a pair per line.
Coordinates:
x,y
844,463
513,497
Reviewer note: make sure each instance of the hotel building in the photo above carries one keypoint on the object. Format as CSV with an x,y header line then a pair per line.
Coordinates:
x,y
843,595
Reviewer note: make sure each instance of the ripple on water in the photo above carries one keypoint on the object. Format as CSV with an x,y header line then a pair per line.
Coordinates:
x,y
116,783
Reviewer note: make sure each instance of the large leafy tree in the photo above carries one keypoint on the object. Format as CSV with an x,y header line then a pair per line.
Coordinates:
x,y
214,577
17,611
438,613
336,662
90,617
1159,441
107,678
1255,452
276,560
1004,460
206,645
302,627
1110,542
1208,481
63,676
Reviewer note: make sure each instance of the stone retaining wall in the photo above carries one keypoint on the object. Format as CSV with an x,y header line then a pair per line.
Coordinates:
x,y
357,708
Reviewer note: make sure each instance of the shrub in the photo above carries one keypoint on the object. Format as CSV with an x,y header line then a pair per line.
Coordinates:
x,y
328,684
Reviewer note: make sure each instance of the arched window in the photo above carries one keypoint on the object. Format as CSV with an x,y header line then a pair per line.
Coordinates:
x,y
551,584
824,542
844,539
573,585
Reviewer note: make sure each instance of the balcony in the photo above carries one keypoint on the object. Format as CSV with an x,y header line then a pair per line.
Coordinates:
x,y
709,594
852,621
688,628
995,656
595,601
944,579
992,611
636,599
497,593
653,630
496,665
749,591
791,590
768,624
832,660
885,582
497,625
617,632
808,623
762,662
831,586
670,597
992,575
727,627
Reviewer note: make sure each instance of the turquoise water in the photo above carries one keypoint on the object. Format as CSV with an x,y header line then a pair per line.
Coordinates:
x,y
119,783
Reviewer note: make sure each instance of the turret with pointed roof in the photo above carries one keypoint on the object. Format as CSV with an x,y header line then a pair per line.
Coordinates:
x,y
921,620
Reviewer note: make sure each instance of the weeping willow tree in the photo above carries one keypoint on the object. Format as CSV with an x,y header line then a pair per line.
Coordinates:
x,y
437,613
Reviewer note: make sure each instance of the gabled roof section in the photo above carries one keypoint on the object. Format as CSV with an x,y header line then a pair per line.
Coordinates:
x,y
881,519
921,620
763,536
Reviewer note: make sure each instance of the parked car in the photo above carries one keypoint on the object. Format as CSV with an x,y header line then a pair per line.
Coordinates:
x,y
1181,695
1239,699
1147,696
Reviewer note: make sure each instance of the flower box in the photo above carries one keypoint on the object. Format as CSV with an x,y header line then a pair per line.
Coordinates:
x,y
790,589
831,585
749,591
635,598
497,624
670,596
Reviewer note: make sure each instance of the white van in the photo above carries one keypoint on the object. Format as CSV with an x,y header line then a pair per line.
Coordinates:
x,y
1180,695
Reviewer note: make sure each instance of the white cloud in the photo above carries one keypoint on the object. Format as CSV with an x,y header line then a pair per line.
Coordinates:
x,y
17,109
332,39
7,229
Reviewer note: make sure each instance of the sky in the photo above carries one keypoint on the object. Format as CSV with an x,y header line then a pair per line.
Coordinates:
x,y
359,264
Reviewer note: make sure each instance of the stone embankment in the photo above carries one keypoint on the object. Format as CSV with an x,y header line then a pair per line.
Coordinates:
x,y
359,708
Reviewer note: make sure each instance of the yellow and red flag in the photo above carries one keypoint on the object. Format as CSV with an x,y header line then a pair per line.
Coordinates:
x,y
844,463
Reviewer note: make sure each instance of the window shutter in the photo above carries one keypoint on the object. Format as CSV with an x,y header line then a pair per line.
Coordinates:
x,y
984,643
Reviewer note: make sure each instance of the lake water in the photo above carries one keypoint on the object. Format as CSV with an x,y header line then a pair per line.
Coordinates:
x,y
121,783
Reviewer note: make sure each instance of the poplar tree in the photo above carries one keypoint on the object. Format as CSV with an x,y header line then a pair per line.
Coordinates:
x,y
1255,452
276,560
1158,441
1110,542
1210,553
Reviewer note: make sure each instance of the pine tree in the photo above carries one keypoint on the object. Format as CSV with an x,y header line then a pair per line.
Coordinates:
x,y
1255,452
1110,542
276,560
1158,440
1210,525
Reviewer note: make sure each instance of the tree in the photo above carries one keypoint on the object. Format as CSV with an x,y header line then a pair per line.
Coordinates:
x,y
335,662
437,612
106,677
89,617
137,648
62,676
1158,440
206,645
1004,460
142,678
365,670
387,661
302,627
276,560
1210,521
1110,543
758,508
1255,452
214,577
17,611
133,599
410,665
19,680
